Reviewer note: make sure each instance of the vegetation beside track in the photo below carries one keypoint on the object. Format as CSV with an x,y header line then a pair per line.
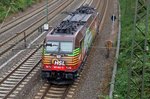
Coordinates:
x,y
7,7
127,20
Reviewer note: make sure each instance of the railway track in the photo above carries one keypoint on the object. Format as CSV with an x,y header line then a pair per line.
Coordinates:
x,y
52,92
14,23
24,23
30,29
14,80
10,85
6,50
99,67
18,76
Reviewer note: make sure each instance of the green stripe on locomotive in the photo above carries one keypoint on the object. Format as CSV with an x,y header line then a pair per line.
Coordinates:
x,y
75,52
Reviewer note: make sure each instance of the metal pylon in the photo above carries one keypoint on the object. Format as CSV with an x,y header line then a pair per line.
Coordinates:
x,y
138,67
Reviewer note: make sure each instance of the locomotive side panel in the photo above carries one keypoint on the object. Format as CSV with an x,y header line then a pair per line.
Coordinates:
x,y
90,34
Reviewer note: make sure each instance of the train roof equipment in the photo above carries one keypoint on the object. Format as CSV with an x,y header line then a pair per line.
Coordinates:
x,y
73,21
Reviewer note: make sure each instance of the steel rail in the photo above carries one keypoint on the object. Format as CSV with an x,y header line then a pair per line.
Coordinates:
x,y
22,80
97,4
104,15
53,91
1,81
27,47
45,92
23,31
68,89
104,12
52,11
25,74
66,92
15,86
20,19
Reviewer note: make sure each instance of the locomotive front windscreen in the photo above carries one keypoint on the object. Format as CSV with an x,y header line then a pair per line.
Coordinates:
x,y
59,47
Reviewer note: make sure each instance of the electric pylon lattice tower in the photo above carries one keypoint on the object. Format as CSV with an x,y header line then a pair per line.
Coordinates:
x,y
138,68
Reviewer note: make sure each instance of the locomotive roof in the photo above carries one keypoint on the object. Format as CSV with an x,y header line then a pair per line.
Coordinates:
x,y
72,24
78,17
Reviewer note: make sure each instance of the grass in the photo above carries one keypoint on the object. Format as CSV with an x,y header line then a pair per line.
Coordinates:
x,y
14,6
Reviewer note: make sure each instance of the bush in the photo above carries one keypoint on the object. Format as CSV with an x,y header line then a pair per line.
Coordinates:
x,y
127,18
15,5
2,12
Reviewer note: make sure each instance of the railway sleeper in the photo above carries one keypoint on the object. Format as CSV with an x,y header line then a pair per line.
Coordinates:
x,y
6,85
9,82
13,79
4,88
16,77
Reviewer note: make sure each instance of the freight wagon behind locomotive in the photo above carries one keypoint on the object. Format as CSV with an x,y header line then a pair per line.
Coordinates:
x,y
66,46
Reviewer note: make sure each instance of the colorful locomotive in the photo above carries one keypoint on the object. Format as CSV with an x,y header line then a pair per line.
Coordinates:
x,y
66,46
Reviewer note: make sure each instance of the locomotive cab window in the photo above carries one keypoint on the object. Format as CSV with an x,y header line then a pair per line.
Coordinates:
x,y
58,47
66,47
52,47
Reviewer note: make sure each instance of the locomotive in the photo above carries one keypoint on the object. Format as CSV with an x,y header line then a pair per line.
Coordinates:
x,y
66,46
